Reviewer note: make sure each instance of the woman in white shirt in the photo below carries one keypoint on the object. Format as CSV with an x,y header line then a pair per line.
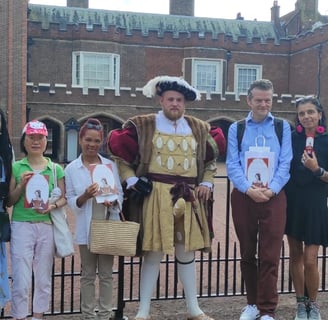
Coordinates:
x,y
81,192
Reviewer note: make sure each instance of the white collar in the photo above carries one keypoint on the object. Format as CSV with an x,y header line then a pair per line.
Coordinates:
x,y
165,125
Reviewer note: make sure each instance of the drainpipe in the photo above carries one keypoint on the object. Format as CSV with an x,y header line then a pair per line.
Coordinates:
x,y
319,70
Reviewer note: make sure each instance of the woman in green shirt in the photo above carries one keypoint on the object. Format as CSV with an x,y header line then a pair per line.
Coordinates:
x,y
32,244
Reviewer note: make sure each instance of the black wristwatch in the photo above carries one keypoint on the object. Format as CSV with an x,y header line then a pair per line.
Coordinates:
x,y
319,172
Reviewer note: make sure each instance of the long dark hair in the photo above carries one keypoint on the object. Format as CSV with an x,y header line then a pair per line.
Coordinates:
x,y
6,154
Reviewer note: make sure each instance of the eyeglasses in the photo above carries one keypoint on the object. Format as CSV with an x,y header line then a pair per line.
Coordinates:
x,y
97,127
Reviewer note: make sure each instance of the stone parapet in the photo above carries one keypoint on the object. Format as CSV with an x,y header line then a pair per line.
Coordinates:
x,y
128,100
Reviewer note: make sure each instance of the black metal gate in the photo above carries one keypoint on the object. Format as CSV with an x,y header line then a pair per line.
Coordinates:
x,y
218,272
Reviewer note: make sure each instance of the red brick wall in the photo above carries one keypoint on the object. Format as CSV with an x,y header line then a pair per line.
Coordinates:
x,y
292,65
13,26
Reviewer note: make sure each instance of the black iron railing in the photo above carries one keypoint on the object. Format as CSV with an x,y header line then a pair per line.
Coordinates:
x,y
218,271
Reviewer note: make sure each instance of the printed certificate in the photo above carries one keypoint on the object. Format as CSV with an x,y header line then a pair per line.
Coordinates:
x,y
103,175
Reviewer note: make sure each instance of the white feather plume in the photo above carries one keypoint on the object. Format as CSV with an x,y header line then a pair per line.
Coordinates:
x,y
149,90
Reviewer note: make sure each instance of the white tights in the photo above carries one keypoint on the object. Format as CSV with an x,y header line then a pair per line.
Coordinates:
x,y
186,272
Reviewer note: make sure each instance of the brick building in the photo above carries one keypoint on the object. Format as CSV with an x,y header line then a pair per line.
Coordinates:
x,y
64,64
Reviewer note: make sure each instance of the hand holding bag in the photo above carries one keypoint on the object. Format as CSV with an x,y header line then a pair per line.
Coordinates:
x,y
62,235
114,237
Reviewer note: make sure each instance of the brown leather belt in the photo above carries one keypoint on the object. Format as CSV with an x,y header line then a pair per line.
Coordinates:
x,y
170,179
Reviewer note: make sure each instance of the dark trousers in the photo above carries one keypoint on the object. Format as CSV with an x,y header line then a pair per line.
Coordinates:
x,y
260,226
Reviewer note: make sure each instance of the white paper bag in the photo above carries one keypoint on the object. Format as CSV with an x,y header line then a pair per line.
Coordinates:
x,y
259,165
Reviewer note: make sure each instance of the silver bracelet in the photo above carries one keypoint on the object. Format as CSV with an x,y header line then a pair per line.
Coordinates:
x,y
319,173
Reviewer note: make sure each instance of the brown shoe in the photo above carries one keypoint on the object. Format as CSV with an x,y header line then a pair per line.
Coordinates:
x,y
202,316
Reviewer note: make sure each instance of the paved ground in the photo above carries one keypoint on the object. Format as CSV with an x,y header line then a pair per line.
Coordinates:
x,y
227,308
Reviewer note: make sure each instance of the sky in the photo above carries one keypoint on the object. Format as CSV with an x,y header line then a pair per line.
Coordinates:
x,y
224,9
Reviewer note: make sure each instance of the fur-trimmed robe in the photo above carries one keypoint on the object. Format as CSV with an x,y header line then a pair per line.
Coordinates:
x,y
131,147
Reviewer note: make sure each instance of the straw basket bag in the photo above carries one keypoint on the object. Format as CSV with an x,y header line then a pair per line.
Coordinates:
x,y
114,237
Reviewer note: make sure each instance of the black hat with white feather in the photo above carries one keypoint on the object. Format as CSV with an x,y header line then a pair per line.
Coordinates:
x,y
160,84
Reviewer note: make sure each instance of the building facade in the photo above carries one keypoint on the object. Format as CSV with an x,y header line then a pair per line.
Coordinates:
x,y
64,64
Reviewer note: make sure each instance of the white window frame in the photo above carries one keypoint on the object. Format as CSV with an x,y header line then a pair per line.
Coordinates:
x,y
217,63
79,72
238,68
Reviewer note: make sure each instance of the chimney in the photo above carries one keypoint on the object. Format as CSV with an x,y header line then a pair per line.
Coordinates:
x,y
182,7
275,12
78,4
308,12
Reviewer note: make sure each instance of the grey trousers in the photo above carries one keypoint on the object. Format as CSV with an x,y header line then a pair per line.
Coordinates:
x,y
90,264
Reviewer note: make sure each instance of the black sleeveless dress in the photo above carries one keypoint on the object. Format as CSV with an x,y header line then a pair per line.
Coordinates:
x,y
307,211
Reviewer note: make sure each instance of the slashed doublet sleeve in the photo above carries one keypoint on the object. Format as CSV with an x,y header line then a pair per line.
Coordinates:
x,y
123,143
216,143
123,147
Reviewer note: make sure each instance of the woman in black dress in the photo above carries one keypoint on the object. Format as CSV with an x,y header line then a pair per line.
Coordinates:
x,y
307,212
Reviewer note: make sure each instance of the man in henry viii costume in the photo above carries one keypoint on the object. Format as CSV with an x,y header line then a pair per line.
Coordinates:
x,y
168,160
